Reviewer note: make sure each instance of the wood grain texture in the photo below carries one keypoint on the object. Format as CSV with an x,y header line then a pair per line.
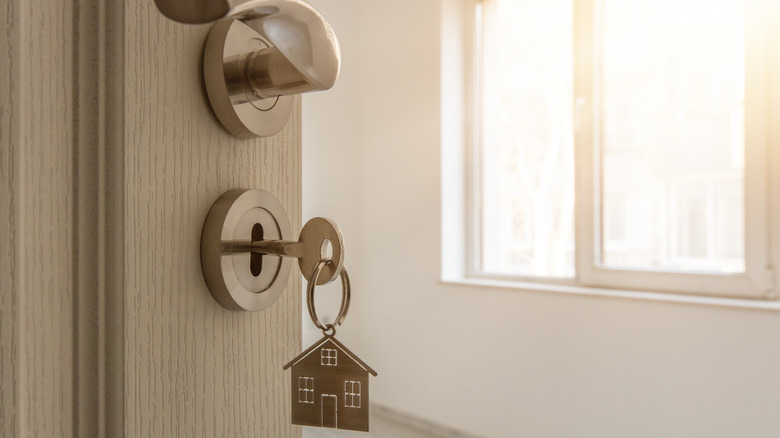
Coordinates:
x,y
192,368
98,202
36,301
9,138
46,219
109,160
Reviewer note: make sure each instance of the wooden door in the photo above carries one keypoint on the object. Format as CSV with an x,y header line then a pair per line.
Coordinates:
x,y
110,158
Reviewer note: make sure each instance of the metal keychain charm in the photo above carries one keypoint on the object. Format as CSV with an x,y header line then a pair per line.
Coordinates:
x,y
329,383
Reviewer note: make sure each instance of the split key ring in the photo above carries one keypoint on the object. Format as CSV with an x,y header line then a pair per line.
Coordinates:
x,y
345,298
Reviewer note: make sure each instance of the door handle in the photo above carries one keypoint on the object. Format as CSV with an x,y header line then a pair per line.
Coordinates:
x,y
259,56
193,11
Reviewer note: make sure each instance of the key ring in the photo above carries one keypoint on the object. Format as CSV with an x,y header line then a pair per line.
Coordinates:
x,y
345,298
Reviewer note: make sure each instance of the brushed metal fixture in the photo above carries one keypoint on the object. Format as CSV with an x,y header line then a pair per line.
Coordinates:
x,y
328,368
248,273
261,55
346,297
193,11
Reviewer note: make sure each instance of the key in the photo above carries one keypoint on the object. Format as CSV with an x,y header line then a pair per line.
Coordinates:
x,y
320,239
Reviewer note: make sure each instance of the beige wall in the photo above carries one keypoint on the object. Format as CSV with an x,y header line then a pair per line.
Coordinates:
x,y
498,363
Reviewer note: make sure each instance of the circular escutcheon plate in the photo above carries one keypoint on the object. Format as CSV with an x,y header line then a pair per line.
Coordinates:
x,y
228,275
224,65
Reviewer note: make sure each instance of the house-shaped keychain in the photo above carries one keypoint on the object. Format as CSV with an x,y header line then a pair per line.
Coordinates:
x,y
330,387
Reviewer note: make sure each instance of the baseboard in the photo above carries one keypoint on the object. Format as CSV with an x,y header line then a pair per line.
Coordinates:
x,y
424,427
387,422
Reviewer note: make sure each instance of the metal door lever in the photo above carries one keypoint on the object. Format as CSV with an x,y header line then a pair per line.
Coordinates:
x,y
259,56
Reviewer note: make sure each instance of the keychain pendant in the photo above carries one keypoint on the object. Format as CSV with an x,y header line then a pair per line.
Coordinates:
x,y
329,383
330,387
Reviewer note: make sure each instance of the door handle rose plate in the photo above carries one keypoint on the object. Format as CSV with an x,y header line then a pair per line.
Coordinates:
x,y
261,54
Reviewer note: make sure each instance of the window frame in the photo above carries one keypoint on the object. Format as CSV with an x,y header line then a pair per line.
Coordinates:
x,y
306,391
329,357
761,167
353,395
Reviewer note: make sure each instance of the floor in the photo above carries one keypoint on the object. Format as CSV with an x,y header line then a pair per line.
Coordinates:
x,y
386,423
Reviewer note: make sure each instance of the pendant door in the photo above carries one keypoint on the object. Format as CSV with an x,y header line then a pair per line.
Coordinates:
x,y
330,410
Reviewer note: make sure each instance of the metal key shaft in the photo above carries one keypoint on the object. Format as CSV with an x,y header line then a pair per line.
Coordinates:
x,y
281,248
312,247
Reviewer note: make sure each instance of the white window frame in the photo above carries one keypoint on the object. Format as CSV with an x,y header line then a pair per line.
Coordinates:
x,y
762,169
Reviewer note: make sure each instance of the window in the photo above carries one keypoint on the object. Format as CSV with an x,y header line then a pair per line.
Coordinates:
x,y
305,390
352,394
622,144
328,357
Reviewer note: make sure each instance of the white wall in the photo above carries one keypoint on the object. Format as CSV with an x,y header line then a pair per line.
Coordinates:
x,y
493,362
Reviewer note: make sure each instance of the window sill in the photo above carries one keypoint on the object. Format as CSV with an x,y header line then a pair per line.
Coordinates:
x,y
619,294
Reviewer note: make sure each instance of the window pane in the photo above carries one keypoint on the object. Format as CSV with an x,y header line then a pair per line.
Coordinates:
x,y
672,137
525,132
